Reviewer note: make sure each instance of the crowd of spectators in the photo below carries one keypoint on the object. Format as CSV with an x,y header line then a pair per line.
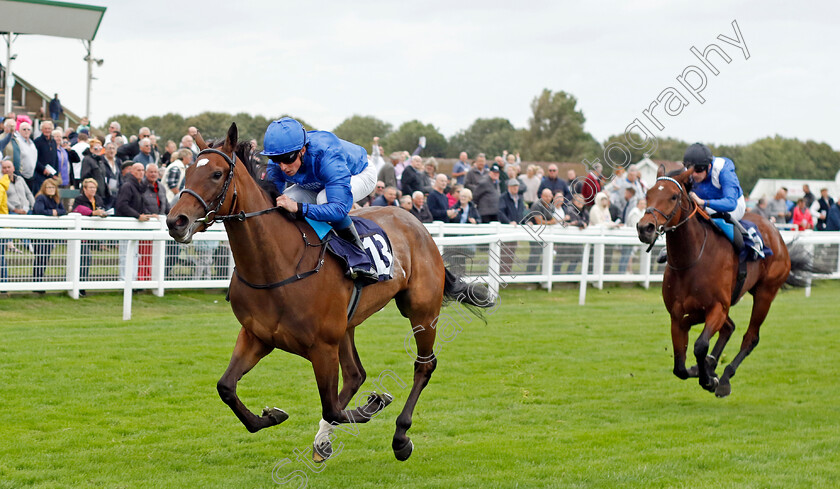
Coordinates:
x,y
807,212
132,176
122,176
479,191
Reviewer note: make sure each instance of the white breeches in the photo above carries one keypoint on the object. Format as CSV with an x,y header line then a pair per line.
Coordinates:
x,y
361,186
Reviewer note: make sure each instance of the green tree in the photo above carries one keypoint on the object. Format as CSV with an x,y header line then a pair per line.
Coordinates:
x,y
489,136
129,124
555,130
405,139
361,130
670,149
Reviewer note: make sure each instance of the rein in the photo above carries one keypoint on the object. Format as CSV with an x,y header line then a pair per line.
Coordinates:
x,y
212,216
664,228
240,216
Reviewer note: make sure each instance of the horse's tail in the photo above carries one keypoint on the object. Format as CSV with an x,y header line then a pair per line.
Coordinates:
x,y
475,296
802,265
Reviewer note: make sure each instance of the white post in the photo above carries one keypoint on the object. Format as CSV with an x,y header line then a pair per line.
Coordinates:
x,y
74,260
494,268
9,75
584,273
158,265
89,59
548,262
644,264
599,265
130,252
810,249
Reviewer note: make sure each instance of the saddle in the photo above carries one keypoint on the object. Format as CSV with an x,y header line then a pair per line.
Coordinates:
x,y
747,242
378,252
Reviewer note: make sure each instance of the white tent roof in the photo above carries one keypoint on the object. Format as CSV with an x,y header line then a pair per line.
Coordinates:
x,y
60,19
767,187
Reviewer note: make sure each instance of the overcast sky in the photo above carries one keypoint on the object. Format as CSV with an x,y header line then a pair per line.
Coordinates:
x,y
450,62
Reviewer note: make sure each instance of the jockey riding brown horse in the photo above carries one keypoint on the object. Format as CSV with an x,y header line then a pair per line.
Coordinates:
x,y
701,276
288,294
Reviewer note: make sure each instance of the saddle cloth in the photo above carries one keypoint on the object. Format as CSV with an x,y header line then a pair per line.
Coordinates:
x,y
377,247
754,248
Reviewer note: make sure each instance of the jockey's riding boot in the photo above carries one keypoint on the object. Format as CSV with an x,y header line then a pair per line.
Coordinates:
x,y
739,234
663,255
350,235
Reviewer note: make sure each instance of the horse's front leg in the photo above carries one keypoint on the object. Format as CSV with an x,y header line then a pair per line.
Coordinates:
x,y
247,353
679,338
715,319
325,361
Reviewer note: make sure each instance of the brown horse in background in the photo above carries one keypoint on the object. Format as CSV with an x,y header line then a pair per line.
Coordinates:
x,y
701,275
300,302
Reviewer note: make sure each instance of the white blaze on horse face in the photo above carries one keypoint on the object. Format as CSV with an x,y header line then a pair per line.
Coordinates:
x,y
661,187
201,162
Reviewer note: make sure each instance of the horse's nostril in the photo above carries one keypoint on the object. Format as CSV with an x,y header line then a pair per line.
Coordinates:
x,y
179,223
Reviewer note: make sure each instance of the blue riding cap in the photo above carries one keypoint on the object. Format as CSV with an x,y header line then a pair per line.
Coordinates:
x,y
283,136
699,156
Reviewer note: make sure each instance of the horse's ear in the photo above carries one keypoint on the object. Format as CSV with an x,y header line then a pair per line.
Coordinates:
x,y
199,141
661,171
685,177
232,138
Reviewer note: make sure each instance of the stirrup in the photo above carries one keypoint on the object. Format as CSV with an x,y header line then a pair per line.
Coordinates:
x,y
350,235
663,256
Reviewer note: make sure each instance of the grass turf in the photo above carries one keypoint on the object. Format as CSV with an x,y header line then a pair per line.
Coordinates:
x,y
547,394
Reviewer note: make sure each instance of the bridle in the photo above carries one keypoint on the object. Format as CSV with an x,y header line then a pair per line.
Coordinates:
x,y
212,216
664,228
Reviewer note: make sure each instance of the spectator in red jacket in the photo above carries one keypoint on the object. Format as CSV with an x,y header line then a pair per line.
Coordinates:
x,y
592,184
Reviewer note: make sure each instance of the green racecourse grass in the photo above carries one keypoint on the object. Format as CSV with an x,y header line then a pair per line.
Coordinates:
x,y
547,394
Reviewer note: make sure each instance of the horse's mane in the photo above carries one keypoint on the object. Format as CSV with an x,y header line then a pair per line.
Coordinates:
x,y
242,151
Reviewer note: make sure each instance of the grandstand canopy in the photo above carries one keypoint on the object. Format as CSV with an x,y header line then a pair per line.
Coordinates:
x,y
60,19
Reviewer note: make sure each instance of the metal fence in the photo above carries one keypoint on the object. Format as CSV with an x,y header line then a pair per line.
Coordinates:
x,y
76,254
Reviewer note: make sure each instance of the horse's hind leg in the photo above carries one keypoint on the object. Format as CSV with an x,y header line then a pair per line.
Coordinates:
x,y
325,362
723,338
247,353
353,376
352,373
424,365
761,306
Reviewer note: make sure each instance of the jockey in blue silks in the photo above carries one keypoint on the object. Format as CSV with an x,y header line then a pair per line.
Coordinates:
x,y
328,173
715,188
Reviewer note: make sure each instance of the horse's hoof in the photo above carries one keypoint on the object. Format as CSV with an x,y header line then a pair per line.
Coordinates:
x,y
383,399
713,384
693,372
321,452
711,362
277,415
403,453
723,390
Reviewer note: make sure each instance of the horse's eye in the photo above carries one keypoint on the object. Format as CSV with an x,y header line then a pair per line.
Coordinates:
x,y
674,197
217,175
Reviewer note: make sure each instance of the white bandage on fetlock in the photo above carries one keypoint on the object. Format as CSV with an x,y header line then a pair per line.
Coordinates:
x,y
324,431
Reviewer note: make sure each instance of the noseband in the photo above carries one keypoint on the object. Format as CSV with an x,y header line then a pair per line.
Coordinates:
x,y
212,214
664,228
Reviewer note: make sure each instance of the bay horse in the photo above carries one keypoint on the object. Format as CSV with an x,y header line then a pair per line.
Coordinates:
x,y
701,275
306,312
